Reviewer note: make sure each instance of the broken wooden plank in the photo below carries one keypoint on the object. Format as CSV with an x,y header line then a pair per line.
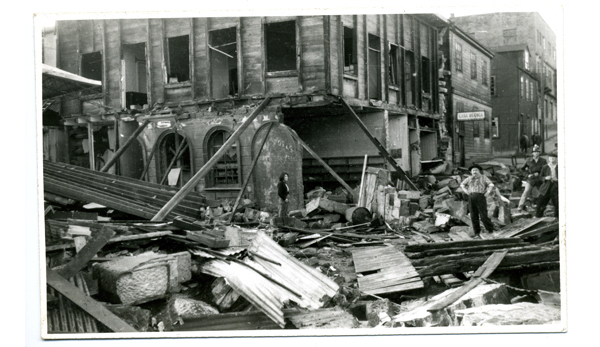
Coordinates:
x,y
458,244
517,227
89,305
455,250
483,272
140,236
539,230
81,259
126,145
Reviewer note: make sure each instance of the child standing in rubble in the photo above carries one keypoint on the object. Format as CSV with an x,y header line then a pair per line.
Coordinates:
x,y
548,189
476,186
283,190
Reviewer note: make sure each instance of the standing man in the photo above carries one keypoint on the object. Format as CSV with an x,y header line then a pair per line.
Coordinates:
x,y
548,189
531,169
283,191
476,186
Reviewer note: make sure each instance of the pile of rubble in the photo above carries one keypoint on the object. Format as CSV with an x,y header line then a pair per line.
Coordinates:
x,y
395,258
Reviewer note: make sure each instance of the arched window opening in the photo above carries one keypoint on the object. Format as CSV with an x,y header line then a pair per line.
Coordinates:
x,y
226,172
174,160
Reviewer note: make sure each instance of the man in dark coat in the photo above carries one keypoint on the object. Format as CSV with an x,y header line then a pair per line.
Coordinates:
x,y
548,189
531,169
283,190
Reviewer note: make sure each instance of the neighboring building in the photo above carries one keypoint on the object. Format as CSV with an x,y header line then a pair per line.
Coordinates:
x,y
468,102
200,77
496,30
515,100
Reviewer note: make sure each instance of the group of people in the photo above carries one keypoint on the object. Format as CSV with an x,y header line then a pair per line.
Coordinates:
x,y
539,173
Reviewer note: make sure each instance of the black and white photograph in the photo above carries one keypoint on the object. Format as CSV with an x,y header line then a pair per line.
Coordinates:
x,y
341,172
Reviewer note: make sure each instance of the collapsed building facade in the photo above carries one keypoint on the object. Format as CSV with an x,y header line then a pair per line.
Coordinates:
x,y
192,81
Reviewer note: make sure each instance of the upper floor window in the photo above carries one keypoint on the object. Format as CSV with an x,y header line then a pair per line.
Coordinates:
x,y
493,85
522,87
458,57
473,66
484,72
526,55
527,91
178,59
223,62
393,65
280,39
91,66
350,55
539,37
538,64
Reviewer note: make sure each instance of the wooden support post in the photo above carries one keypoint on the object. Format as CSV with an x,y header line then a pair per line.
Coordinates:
x,y
384,153
91,146
81,259
362,179
189,186
117,166
126,145
182,147
254,161
86,303
322,162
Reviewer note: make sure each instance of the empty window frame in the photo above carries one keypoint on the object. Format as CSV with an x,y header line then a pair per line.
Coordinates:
x,y
280,40
409,77
493,85
473,66
178,59
91,66
226,172
458,57
426,74
374,67
224,62
350,51
393,65
526,58
484,72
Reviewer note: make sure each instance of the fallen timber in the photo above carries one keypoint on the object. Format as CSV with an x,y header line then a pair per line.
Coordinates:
x,y
128,195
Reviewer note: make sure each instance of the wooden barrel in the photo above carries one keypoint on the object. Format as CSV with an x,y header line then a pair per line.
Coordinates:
x,y
358,215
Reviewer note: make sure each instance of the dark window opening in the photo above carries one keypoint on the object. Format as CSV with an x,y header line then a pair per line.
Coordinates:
x,y
134,78
458,57
374,67
495,130
426,74
473,66
179,59
226,172
223,62
409,78
280,39
91,66
493,85
350,47
393,65
484,73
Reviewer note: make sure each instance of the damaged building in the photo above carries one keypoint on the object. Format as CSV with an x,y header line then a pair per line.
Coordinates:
x,y
195,80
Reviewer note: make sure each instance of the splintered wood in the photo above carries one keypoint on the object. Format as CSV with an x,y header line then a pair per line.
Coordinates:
x,y
394,272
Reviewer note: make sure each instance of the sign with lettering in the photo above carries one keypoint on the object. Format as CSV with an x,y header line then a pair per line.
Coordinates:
x,y
163,124
470,115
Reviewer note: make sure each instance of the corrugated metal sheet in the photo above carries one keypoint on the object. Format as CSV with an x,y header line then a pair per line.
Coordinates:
x,y
312,286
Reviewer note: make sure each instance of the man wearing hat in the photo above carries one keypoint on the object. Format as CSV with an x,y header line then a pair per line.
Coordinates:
x,y
548,189
531,169
476,186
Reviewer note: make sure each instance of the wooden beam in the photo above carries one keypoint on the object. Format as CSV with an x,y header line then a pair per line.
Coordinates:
x,y
384,153
116,126
254,161
482,273
322,162
149,160
86,303
182,147
81,259
126,145
189,186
